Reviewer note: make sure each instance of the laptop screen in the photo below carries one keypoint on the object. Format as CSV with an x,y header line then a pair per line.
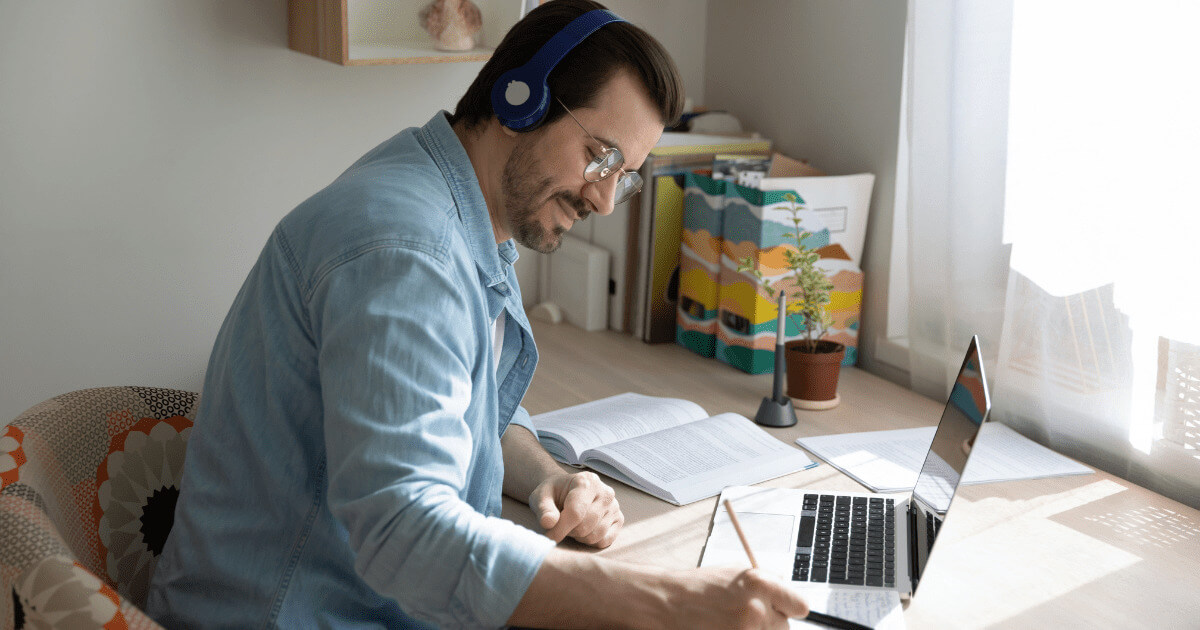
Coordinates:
x,y
964,414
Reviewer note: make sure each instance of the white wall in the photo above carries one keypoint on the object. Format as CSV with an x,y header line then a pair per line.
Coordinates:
x,y
148,148
680,25
821,78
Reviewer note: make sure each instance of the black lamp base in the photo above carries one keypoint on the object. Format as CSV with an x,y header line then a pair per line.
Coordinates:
x,y
773,413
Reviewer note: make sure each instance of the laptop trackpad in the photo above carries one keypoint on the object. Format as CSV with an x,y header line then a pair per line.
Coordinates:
x,y
769,535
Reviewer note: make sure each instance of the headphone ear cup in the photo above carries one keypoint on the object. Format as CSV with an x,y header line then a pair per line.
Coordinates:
x,y
519,100
520,97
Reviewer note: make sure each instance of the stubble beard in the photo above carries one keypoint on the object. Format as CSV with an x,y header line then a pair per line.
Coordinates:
x,y
525,190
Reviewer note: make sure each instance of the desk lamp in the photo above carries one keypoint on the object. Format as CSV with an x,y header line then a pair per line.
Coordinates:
x,y
777,410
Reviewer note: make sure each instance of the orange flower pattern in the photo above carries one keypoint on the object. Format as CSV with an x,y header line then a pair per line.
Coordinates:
x,y
11,455
87,487
137,486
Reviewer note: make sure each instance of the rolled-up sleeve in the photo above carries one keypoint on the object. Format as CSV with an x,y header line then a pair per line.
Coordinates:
x,y
396,354
521,418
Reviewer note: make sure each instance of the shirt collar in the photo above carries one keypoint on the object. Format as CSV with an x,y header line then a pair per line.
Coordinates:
x,y
450,156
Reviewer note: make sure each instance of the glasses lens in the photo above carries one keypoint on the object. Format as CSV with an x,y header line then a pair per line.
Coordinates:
x,y
605,164
627,185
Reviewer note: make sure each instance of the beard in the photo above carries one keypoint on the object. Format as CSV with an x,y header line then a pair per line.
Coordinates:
x,y
526,189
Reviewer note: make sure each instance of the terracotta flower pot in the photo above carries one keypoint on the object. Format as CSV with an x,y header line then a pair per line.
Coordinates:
x,y
812,377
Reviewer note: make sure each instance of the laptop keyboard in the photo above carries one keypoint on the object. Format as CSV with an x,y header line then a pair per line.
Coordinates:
x,y
932,527
846,540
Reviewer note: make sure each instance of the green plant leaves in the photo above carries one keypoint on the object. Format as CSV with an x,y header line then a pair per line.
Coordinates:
x,y
809,302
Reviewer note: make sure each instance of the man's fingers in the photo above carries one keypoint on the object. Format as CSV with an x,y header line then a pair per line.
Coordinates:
x,y
573,513
590,528
578,509
793,606
547,511
604,517
580,506
783,599
605,535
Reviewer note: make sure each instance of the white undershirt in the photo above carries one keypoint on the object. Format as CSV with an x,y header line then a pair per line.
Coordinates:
x,y
498,340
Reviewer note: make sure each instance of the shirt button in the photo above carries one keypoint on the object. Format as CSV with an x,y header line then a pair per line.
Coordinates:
x,y
502,288
525,360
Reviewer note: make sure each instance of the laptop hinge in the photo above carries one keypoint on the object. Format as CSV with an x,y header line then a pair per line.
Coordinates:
x,y
912,547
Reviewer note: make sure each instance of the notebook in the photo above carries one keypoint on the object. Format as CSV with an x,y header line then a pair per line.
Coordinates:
x,y
859,541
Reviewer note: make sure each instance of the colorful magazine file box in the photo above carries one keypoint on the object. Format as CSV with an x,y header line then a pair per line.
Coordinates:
x,y
700,264
756,224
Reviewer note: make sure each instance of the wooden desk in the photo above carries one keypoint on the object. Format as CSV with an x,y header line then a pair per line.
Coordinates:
x,y
1085,551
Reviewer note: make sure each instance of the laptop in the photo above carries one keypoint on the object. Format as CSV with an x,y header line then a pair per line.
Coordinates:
x,y
854,540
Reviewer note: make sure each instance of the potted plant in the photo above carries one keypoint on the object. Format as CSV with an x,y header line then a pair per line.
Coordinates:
x,y
813,363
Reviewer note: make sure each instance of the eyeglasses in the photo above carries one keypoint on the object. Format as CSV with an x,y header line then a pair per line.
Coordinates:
x,y
608,161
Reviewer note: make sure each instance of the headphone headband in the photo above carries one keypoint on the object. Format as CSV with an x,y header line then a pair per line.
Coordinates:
x,y
520,97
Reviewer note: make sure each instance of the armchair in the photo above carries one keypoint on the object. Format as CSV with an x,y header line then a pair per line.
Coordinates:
x,y
88,483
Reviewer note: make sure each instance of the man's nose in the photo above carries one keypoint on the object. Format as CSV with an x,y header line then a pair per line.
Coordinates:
x,y
601,194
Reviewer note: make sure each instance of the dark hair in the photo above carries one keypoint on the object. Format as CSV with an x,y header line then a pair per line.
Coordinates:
x,y
577,79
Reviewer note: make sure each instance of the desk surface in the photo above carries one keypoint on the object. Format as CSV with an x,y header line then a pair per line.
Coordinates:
x,y
1085,551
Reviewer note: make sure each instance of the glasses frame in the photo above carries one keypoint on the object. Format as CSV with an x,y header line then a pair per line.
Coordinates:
x,y
628,182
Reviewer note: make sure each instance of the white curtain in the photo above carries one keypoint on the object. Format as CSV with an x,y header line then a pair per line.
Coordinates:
x,y
956,89
1068,132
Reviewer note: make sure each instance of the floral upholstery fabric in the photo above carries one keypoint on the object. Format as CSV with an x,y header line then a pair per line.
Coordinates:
x,y
88,482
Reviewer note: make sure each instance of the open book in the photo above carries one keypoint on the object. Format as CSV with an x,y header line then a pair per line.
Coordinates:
x,y
667,447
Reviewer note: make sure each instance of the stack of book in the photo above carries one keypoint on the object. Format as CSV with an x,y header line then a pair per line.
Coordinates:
x,y
653,274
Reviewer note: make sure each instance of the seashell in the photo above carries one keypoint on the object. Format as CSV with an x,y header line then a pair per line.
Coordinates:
x,y
454,24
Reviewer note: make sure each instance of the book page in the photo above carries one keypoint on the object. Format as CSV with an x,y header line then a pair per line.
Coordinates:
x,y
688,463
612,419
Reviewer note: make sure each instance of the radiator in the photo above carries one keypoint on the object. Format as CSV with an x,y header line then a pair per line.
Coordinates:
x,y
577,283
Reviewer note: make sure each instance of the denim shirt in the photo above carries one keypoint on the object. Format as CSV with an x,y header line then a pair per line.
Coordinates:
x,y
345,467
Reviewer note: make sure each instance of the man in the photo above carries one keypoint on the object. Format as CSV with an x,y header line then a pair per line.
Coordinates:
x,y
360,416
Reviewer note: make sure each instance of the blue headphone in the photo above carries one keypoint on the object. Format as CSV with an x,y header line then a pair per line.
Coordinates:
x,y
520,96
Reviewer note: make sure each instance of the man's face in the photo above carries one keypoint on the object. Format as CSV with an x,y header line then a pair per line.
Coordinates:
x,y
545,192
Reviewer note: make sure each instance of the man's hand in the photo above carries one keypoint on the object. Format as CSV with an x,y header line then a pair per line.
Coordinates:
x,y
576,590
578,505
734,598
572,504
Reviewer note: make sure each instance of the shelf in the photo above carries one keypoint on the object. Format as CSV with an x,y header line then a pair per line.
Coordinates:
x,y
415,52
381,32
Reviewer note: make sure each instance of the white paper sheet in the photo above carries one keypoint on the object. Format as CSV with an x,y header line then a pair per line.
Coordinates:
x,y
888,461
880,610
